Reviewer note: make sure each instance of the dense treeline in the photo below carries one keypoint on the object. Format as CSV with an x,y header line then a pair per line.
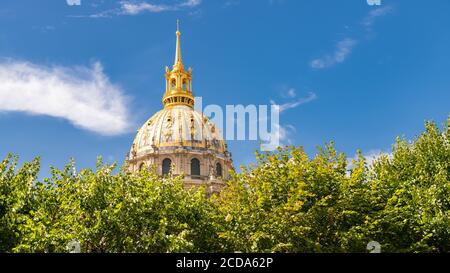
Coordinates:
x,y
286,202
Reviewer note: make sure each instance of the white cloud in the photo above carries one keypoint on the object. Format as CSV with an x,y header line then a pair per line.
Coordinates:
x,y
139,7
371,156
292,93
133,8
287,92
82,95
190,3
276,2
136,8
286,134
343,50
369,20
293,104
280,135
344,47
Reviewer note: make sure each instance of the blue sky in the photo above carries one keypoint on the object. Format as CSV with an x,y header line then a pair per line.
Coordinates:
x,y
78,80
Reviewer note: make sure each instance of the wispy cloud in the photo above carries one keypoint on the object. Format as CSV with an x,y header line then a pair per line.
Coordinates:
x,y
229,3
139,7
280,135
288,92
133,9
345,46
370,157
190,3
292,93
370,19
343,50
276,2
295,103
82,95
286,132
44,29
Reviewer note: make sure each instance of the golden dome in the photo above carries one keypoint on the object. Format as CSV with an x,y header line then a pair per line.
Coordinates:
x,y
178,126
179,140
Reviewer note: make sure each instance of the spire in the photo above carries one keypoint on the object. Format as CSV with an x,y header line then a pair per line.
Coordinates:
x,y
178,62
178,81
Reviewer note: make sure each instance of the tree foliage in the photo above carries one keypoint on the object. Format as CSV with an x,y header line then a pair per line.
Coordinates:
x,y
285,202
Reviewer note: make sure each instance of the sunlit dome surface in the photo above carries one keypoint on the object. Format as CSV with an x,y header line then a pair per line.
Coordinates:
x,y
178,126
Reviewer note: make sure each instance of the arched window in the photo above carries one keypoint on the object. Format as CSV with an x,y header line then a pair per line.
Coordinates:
x,y
184,84
195,166
141,166
219,170
173,83
166,164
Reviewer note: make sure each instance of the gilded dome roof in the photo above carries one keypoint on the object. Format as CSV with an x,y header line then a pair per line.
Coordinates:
x,y
177,126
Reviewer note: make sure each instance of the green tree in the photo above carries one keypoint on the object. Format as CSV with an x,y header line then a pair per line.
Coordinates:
x,y
15,198
120,212
289,203
285,202
410,195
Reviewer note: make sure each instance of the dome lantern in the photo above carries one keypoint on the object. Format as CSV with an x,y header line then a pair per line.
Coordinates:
x,y
178,80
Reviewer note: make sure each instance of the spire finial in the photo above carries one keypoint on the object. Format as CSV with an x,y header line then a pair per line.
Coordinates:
x,y
178,61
